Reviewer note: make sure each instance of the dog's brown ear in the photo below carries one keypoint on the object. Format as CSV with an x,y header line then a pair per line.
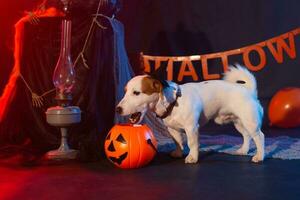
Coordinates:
x,y
150,86
157,85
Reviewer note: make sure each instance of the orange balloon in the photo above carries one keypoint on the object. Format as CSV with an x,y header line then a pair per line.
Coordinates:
x,y
130,146
284,108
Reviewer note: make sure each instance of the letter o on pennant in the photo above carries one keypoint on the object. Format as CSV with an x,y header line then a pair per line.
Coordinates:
x,y
261,54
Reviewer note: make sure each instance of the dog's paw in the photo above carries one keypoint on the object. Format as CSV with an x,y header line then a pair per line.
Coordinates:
x,y
190,159
176,153
257,158
241,151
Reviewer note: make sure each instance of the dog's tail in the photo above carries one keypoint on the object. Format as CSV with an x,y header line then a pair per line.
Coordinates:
x,y
240,75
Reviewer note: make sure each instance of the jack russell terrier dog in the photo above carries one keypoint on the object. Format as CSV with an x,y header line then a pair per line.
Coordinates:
x,y
185,108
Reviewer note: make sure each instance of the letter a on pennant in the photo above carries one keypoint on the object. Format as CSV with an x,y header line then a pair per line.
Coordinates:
x,y
187,64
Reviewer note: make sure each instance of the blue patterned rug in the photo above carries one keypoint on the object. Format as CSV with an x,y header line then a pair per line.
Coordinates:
x,y
283,147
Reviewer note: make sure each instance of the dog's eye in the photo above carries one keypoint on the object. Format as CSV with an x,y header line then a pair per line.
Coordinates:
x,y
136,93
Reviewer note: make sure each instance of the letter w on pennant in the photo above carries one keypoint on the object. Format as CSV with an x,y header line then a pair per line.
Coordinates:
x,y
282,45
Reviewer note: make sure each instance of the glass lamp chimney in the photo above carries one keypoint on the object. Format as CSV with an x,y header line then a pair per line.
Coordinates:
x,y
64,74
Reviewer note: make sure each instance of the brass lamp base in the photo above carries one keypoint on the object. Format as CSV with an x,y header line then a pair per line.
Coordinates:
x,y
63,117
69,154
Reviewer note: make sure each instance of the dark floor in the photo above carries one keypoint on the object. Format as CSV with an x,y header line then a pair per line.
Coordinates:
x,y
216,176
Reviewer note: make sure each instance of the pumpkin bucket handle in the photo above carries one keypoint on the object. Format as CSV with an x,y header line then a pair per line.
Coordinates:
x,y
149,141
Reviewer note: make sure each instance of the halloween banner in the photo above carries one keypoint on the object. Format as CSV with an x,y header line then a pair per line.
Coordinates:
x,y
277,47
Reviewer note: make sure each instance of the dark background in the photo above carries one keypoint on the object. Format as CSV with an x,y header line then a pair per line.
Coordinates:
x,y
185,27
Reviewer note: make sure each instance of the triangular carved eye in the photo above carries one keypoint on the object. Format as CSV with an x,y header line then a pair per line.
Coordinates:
x,y
108,136
121,139
111,147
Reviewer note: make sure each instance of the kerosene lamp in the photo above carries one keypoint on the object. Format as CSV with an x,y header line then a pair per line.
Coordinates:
x,y
64,115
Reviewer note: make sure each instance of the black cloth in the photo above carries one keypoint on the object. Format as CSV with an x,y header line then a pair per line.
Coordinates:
x,y
94,93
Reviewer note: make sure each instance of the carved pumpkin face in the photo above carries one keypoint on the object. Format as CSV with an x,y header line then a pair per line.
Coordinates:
x,y
130,146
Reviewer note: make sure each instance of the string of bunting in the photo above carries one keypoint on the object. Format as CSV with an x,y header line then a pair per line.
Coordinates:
x,y
276,46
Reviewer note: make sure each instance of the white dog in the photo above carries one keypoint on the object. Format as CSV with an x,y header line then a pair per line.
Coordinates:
x,y
185,108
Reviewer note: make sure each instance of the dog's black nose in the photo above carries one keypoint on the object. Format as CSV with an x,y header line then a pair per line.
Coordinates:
x,y
119,110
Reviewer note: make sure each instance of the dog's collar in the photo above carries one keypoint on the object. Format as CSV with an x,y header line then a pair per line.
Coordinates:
x,y
170,106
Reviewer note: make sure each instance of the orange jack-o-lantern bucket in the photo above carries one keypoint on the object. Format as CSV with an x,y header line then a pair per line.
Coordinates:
x,y
130,146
